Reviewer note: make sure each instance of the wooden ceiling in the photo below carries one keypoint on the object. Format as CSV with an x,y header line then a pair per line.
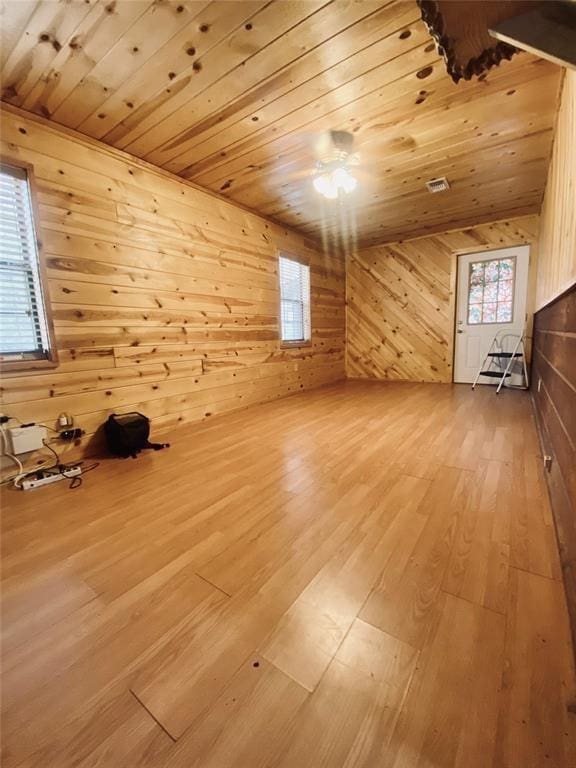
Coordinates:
x,y
232,95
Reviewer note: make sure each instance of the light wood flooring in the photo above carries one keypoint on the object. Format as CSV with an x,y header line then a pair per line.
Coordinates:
x,y
361,575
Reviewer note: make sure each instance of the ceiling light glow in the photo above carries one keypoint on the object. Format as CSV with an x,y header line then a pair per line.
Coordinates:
x,y
331,182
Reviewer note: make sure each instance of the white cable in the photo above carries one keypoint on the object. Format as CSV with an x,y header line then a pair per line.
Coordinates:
x,y
18,478
22,473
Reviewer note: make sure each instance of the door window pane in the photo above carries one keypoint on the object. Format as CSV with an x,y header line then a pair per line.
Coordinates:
x,y
491,291
505,312
475,314
489,313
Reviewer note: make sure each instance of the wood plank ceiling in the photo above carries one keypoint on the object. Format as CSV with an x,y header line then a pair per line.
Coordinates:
x,y
231,95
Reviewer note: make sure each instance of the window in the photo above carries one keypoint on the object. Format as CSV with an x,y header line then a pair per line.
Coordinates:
x,y
24,326
491,291
294,301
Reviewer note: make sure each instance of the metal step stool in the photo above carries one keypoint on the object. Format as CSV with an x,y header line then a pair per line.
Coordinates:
x,y
499,361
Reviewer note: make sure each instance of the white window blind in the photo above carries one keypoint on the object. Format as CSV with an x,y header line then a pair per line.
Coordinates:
x,y
294,300
23,328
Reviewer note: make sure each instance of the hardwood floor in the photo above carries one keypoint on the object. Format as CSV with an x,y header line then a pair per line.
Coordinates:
x,y
361,575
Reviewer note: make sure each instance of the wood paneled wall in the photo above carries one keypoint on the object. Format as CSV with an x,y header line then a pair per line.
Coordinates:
x,y
554,397
557,246
400,300
554,346
165,298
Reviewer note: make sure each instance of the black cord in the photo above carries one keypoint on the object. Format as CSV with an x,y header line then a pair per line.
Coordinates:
x,y
77,480
47,445
55,465
29,472
90,468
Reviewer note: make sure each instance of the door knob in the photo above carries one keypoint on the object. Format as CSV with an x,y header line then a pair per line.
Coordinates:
x,y
459,331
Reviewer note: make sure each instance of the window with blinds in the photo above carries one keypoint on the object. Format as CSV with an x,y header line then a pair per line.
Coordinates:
x,y
294,300
23,326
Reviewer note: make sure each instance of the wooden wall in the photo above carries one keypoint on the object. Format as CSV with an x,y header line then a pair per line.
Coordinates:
x,y
554,397
165,298
557,246
554,349
400,300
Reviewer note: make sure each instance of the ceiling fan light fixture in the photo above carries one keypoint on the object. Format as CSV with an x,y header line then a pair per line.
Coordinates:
x,y
344,180
324,186
330,182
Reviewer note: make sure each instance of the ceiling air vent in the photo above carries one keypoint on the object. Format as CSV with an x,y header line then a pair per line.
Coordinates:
x,y
437,185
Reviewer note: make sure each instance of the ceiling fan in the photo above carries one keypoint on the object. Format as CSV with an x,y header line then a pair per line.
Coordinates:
x,y
333,175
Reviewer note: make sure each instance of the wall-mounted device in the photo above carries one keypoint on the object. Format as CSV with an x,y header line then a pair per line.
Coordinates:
x,y
71,434
65,421
26,439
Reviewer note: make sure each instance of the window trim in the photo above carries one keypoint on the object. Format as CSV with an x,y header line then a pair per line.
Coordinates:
x,y
306,263
51,360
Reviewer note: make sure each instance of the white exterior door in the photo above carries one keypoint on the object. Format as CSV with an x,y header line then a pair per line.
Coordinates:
x,y
491,297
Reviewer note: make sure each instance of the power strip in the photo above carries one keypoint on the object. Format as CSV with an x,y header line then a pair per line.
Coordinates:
x,y
68,474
